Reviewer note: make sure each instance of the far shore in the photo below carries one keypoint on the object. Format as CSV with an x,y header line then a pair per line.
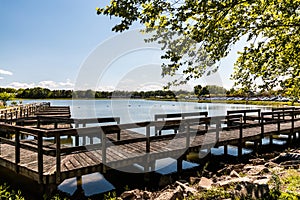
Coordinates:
x,y
259,103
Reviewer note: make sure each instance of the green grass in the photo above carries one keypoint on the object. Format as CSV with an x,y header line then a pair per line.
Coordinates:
x,y
261,103
290,185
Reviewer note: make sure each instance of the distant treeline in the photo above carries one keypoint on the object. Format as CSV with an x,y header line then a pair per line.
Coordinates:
x,y
199,91
44,93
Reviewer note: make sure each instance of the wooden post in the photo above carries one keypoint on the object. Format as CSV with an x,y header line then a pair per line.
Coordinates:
x,y
83,140
148,139
79,182
262,130
76,136
55,125
38,125
179,165
188,135
240,147
119,135
255,147
57,140
103,148
17,150
293,126
40,158
21,112
147,165
152,165
11,117
84,136
91,140
218,125
225,150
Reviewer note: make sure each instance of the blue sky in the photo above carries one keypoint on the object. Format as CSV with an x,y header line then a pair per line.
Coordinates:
x,y
45,43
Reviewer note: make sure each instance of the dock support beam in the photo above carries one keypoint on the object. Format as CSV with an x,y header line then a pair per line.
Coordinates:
x,y
179,165
79,182
17,150
40,158
225,150
240,151
271,140
255,147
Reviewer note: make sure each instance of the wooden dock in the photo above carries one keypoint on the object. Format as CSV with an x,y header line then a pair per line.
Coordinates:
x,y
111,145
8,115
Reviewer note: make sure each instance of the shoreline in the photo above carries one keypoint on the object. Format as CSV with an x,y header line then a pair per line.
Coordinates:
x,y
243,102
274,174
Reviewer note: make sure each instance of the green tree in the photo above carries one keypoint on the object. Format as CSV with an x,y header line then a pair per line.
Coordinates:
x,y
204,91
272,28
4,97
216,90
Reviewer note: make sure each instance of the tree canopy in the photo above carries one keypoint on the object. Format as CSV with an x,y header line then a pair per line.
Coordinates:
x,y
197,34
4,97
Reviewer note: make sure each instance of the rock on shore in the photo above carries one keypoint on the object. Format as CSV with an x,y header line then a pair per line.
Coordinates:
x,y
251,180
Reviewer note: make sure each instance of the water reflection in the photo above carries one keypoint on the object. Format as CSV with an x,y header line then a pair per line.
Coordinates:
x,y
94,184
90,184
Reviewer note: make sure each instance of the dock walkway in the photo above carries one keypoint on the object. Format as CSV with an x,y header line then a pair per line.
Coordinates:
x,y
113,145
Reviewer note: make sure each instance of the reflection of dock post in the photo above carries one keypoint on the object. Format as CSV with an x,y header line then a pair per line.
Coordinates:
x,y
147,171
152,165
271,140
179,165
148,163
240,142
255,147
79,182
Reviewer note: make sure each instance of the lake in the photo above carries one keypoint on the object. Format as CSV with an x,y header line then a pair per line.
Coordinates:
x,y
136,110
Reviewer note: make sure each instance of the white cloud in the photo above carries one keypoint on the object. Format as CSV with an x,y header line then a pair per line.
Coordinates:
x,y
150,86
47,84
56,85
68,83
5,72
108,88
18,85
44,84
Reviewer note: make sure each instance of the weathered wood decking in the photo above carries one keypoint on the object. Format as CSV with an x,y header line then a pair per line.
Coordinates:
x,y
120,145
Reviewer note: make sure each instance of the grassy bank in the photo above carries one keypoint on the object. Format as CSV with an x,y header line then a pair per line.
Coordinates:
x,y
260,103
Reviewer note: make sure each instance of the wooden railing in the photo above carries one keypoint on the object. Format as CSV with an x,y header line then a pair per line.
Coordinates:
x,y
282,113
174,116
99,131
246,116
10,114
216,125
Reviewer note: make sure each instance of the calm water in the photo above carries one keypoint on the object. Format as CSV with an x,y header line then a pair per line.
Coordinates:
x,y
133,110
